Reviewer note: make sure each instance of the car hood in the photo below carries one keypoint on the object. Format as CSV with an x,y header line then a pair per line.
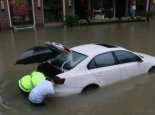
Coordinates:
x,y
145,57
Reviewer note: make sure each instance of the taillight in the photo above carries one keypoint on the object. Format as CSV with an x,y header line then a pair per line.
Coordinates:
x,y
58,80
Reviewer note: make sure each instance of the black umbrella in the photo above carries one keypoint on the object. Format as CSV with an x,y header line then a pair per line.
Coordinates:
x,y
36,54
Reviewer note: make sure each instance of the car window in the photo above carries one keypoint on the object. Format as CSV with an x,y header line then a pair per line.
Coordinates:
x,y
62,58
92,64
102,60
126,57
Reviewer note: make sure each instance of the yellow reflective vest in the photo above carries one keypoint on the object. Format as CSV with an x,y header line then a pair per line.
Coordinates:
x,y
28,82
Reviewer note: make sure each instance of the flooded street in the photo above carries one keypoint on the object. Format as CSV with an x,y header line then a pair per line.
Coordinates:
x,y
135,96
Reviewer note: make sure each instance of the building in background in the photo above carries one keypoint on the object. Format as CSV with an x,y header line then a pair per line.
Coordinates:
x,y
110,8
33,13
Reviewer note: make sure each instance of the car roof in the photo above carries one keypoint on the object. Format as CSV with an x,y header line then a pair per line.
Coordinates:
x,y
95,49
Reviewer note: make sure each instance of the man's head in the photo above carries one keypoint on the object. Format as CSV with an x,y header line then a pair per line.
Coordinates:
x,y
58,80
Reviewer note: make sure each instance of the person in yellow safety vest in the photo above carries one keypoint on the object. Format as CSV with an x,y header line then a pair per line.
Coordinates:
x,y
28,82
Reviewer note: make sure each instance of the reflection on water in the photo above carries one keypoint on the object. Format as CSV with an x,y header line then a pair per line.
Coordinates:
x,y
135,96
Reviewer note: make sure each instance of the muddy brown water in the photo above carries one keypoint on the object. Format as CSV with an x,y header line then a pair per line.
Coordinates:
x,y
134,96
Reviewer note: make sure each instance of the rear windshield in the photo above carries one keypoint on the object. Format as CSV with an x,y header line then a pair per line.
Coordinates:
x,y
68,61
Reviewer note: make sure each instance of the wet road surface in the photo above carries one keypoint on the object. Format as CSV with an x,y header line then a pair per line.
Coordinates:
x,y
134,96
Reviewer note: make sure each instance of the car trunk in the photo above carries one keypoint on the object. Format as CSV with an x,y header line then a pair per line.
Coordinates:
x,y
48,69
40,54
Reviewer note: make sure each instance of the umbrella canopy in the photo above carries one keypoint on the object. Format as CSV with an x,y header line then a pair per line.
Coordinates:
x,y
36,54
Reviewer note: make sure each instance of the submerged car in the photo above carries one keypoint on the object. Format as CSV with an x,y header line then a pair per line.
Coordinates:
x,y
94,65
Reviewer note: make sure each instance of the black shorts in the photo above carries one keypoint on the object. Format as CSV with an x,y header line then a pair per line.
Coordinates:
x,y
37,104
26,94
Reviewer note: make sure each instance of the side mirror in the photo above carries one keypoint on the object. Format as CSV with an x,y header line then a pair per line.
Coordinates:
x,y
139,59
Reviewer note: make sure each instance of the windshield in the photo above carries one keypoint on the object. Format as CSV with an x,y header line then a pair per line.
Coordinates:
x,y
68,60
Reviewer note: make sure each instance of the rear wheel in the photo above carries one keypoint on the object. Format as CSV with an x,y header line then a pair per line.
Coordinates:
x,y
152,70
90,88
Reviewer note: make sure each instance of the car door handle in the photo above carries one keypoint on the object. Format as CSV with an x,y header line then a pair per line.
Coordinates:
x,y
99,74
123,69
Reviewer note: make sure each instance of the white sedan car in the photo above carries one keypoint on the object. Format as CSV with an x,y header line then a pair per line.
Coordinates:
x,y
95,65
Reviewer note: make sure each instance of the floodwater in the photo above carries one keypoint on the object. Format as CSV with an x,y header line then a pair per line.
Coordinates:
x,y
134,96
